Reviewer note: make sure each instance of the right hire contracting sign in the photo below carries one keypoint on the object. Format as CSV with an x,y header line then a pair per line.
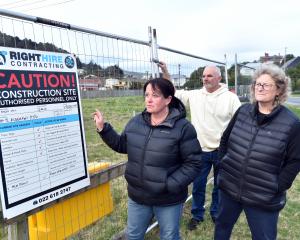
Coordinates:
x,y
42,154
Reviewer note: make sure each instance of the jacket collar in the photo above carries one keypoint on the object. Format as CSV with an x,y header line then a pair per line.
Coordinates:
x,y
267,117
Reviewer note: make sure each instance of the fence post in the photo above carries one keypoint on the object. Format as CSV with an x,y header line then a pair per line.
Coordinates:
x,y
235,75
18,230
155,52
226,73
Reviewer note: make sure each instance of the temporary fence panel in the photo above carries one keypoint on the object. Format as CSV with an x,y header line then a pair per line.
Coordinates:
x,y
244,80
108,65
186,69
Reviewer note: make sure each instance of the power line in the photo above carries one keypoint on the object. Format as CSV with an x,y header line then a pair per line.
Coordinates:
x,y
53,4
12,3
27,4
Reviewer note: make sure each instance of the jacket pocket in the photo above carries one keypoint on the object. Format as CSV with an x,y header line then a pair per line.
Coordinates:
x,y
154,180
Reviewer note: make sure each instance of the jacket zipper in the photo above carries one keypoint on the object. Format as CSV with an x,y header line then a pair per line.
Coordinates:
x,y
143,157
246,163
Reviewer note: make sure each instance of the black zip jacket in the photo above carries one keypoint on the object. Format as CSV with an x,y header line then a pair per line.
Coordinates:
x,y
260,156
162,160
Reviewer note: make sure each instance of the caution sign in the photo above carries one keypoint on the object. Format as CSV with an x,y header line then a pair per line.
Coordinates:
x,y
42,154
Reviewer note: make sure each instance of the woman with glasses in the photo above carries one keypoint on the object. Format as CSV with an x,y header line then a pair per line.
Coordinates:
x,y
260,158
164,157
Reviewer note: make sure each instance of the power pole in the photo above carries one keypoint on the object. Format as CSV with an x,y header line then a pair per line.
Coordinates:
x,y
284,59
179,76
226,73
235,75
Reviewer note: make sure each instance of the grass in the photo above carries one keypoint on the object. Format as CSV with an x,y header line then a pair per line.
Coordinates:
x,y
118,111
295,94
295,109
3,232
112,224
288,226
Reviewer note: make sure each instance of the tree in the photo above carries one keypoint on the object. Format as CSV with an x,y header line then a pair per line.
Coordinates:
x,y
195,79
231,75
78,63
114,72
289,57
294,74
136,85
10,41
92,68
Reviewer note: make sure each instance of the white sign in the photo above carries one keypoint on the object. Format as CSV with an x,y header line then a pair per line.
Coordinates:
x,y
43,154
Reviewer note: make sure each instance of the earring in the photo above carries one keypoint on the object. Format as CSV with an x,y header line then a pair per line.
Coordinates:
x,y
277,99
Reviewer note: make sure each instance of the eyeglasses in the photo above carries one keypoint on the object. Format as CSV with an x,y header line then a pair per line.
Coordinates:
x,y
265,86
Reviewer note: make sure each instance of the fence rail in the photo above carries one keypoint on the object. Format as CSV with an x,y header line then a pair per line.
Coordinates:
x,y
108,65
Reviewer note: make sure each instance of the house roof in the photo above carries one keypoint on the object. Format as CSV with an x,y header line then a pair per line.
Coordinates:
x,y
249,68
294,62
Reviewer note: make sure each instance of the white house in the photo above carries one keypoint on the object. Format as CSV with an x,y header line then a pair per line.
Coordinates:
x,y
178,80
111,82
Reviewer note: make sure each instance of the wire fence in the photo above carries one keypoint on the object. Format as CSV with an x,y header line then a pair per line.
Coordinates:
x,y
243,80
108,66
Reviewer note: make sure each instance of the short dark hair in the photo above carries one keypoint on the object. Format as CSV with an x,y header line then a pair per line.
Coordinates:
x,y
166,87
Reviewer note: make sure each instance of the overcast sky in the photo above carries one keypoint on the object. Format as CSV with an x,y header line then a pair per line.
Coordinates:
x,y
204,28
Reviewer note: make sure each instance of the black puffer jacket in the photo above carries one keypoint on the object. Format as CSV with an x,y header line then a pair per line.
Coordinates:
x,y
162,160
260,158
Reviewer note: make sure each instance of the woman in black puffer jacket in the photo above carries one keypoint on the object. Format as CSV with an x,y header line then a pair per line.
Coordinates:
x,y
164,156
260,158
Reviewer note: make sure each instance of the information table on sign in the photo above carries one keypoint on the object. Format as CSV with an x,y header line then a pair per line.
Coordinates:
x,y
41,149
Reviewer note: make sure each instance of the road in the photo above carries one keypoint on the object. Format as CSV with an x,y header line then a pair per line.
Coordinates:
x,y
293,101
